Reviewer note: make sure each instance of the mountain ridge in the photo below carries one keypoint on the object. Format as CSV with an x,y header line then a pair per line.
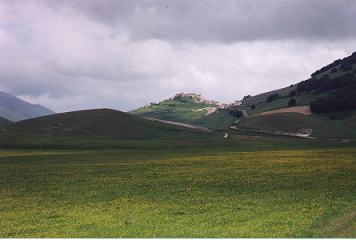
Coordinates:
x,y
16,109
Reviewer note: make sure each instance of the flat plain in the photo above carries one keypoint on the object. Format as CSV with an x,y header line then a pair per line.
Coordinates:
x,y
300,189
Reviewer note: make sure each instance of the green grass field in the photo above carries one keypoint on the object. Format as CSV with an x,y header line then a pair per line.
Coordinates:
x,y
221,119
281,187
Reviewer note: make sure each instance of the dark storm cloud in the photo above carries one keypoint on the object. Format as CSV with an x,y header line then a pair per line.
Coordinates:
x,y
76,54
227,20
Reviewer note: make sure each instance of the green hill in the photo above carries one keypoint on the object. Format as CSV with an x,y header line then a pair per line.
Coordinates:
x,y
330,89
322,127
4,122
330,93
219,120
187,108
333,87
100,122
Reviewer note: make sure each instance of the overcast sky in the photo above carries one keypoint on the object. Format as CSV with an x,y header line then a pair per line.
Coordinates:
x,y
70,55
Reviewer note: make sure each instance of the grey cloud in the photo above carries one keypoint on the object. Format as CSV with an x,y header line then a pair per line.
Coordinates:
x,y
227,20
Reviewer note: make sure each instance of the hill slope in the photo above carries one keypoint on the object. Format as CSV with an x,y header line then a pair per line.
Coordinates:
x,y
15,109
180,108
330,89
327,101
100,122
321,127
4,122
218,120
187,108
332,84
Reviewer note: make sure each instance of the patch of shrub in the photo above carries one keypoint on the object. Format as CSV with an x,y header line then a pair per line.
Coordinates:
x,y
346,67
338,82
253,106
347,60
309,85
342,99
334,70
272,97
247,96
236,113
292,102
325,83
326,68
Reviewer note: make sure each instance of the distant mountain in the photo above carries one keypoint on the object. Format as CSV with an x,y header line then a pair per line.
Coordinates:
x,y
16,109
101,122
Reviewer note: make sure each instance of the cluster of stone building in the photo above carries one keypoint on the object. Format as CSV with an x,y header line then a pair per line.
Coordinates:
x,y
199,98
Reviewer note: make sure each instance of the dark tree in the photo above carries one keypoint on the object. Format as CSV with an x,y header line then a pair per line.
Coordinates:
x,y
292,102
247,96
272,97
346,67
345,61
341,99
325,83
253,106
236,113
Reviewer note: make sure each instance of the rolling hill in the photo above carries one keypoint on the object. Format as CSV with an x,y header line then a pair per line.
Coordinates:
x,y
334,83
190,108
330,91
321,126
180,108
325,103
100,122
4,122
16,109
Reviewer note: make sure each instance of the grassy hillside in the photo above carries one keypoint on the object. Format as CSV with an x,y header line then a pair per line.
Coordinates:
x,y
330,93
4,122
328,80
261,104
99,122
184,109
221,119
322,126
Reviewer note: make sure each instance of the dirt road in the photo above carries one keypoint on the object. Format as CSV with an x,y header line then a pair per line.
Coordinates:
x,y
193,127
305,110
